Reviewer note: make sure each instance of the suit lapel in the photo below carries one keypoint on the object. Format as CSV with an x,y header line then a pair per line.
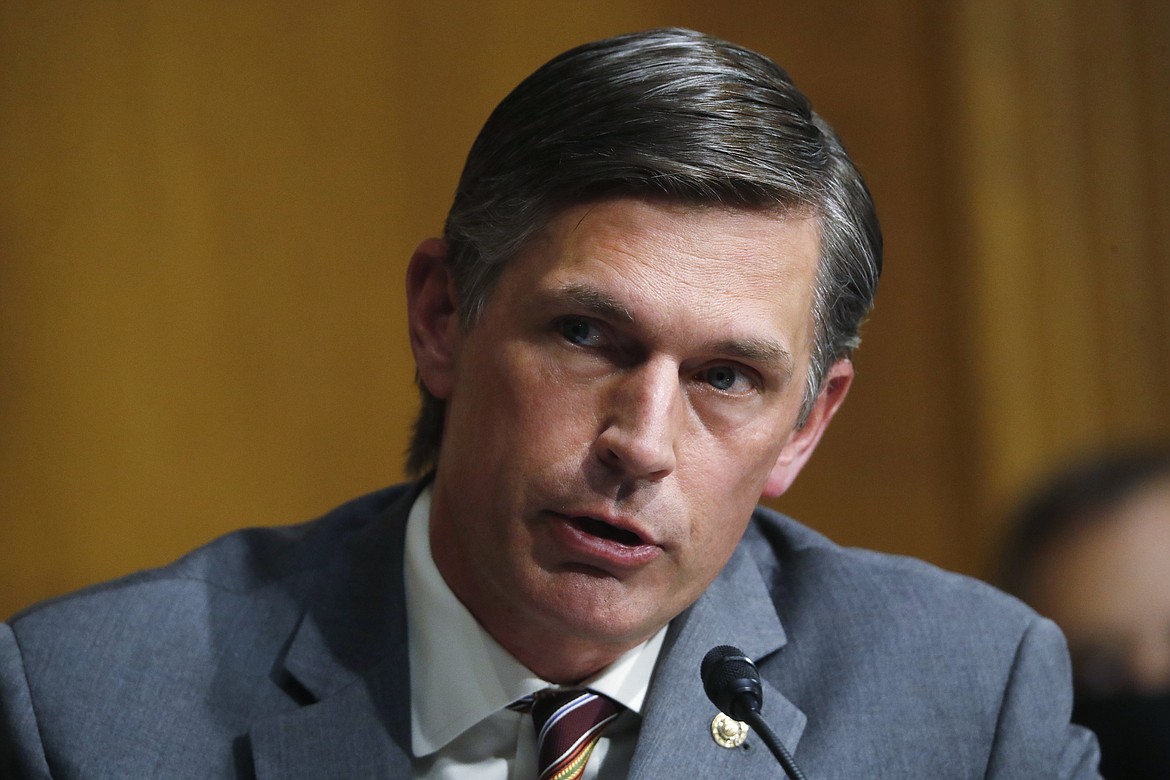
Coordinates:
x,y
675,739
345,735
348,663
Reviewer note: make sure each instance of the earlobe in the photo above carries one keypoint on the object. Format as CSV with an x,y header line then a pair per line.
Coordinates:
x,y
802,442
432,318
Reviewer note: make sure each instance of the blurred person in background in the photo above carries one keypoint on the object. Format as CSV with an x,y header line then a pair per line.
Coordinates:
x,y
1090,549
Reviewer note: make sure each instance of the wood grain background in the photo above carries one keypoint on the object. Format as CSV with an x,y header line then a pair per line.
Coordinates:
x,y
206,210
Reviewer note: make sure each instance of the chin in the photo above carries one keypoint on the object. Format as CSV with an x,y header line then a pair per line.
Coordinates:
x,y
604,619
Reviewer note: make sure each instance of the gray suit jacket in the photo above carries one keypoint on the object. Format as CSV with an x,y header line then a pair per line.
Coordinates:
x,y
282,653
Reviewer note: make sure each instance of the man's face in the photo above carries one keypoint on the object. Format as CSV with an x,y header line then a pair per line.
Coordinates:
x,y
630,390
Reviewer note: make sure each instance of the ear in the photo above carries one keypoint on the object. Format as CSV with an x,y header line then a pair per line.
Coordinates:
x,y
803,441
431,316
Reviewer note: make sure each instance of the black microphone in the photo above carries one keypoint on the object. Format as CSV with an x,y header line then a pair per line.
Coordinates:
x,y
732,683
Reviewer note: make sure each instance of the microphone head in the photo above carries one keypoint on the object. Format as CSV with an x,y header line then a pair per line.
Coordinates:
x,y
732,681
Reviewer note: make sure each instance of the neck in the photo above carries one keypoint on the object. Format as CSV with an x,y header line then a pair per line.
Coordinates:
x,y
560,662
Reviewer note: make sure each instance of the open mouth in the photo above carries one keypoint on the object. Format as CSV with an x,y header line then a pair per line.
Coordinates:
x,y
604,530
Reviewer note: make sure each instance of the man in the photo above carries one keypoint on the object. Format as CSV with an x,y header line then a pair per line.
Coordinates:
x,y
1089,550
639,320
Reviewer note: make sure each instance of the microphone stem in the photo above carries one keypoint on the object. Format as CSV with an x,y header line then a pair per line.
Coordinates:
x,y
756,721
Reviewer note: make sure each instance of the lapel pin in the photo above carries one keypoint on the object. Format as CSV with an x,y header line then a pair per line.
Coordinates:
x,y
728,732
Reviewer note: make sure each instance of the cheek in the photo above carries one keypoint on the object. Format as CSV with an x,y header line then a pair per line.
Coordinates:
x,y
520,401
716,489
711,548
723,491
731,467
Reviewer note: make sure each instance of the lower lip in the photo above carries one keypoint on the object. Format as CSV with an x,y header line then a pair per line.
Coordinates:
x,y
606,554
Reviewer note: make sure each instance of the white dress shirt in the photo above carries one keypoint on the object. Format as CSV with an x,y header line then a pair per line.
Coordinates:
x,y
462,681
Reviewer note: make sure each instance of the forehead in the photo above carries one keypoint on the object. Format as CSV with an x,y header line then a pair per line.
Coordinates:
x,y
695,254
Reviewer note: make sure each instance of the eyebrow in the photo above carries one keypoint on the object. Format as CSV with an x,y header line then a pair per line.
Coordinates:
x,y
596,301
757,351
763,351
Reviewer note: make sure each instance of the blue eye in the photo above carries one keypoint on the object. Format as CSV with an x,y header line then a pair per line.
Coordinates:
x,y
721,377
579,331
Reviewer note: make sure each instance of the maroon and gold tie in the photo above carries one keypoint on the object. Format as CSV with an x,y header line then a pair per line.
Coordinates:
x,y
568,725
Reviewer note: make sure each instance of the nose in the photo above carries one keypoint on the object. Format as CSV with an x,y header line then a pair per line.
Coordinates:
x,y
641,424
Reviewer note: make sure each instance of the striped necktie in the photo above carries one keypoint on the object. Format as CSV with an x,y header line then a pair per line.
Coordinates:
x,y
568,725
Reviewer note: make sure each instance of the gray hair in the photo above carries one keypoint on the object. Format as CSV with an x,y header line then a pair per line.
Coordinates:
x,y
670,114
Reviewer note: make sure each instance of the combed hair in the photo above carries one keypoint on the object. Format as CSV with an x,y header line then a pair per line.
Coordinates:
x,y
669,114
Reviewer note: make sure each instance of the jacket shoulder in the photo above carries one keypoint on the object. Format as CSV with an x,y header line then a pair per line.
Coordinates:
x,y
900,665
800,561
188,648
238,562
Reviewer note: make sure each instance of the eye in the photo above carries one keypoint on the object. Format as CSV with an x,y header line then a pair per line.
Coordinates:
x,y
726,379
579,331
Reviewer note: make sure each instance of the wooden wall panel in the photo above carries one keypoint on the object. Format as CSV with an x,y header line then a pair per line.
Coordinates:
x,y
1065,141
206,211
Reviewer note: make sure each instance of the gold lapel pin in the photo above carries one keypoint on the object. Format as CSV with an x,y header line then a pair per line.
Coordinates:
x,y
728,732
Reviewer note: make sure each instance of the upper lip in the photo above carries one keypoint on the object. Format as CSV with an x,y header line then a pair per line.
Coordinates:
x,y
618,521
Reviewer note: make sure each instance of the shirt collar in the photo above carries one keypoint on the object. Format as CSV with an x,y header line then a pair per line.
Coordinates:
x,y
459,674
